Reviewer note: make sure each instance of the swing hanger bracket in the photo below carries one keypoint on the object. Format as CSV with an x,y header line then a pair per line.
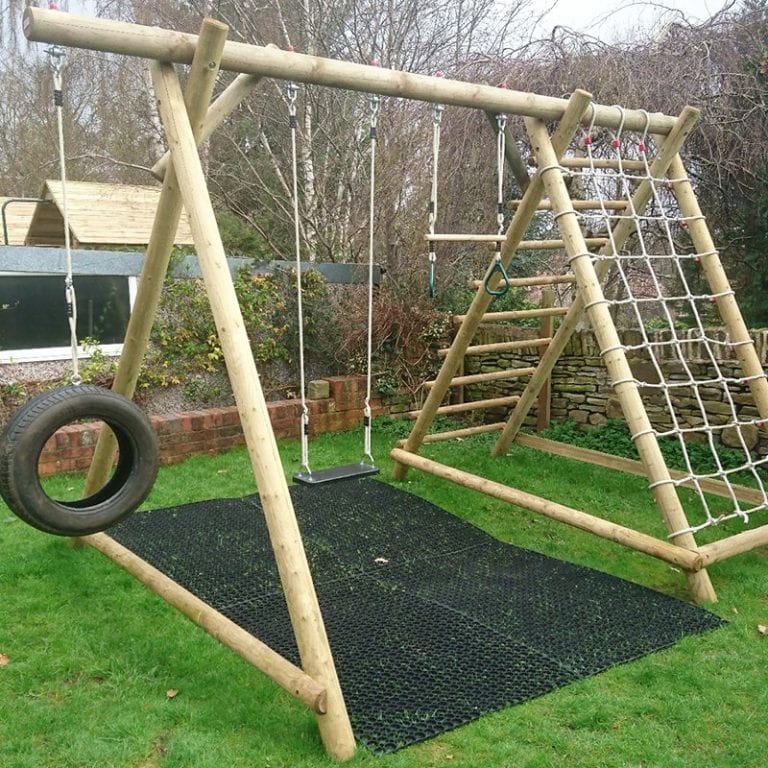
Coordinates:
x,y
56,55
291,94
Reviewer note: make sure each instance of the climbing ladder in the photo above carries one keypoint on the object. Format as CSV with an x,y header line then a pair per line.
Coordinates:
x,y
546,313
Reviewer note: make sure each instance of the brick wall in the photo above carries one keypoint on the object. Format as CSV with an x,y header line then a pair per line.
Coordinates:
x,y
581,389
336,405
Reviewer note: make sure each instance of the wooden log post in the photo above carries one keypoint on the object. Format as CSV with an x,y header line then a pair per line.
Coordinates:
x,y
615,358
202,78
669,148
620,534
734,545
304,610
578,104
288,676
43,25
738,334
226,103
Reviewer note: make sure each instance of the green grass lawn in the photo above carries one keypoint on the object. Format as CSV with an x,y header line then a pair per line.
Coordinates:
x,y
88,655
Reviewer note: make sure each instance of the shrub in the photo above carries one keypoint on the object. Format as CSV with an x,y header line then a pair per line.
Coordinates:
x,y
407,331
185,344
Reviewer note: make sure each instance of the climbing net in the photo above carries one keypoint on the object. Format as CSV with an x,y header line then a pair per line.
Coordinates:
x,y
692,383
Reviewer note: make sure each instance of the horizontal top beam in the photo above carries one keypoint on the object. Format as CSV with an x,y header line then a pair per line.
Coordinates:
x,y
48,26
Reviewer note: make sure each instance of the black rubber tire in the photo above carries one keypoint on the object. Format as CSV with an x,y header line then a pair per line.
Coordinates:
x,y
30,428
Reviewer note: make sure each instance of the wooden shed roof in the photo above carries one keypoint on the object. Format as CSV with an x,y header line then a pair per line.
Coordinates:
x,y
18,214
99,214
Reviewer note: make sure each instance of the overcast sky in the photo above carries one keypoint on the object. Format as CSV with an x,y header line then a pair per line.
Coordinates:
x,y
610,19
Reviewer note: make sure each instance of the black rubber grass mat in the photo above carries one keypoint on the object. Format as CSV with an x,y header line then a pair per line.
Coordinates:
x,y
432,622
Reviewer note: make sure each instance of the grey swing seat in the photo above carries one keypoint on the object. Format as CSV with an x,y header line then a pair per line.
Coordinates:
x,y
333,474
366,466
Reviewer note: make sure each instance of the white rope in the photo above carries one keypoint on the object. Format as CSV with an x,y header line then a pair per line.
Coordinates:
x,y
292,91
56,55
373,107
656,271
437,118
496,272
501,141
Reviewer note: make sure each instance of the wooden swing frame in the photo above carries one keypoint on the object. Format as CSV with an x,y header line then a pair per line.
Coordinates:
x,y
188,120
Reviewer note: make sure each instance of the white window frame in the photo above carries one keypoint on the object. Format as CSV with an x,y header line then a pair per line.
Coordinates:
x,y
51,354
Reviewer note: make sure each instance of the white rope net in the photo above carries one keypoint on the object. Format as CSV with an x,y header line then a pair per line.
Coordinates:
x,y
693,386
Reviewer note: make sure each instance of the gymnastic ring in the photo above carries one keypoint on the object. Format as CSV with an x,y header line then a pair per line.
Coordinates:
x,y
30,428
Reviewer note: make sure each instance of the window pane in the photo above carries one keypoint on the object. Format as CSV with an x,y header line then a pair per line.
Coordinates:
x,y
36,316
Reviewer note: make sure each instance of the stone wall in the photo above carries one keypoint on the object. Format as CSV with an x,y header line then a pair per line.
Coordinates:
x,y
581,390
335,404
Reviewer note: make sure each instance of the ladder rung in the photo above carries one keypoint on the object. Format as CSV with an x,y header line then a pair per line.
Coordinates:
x,y
552,245
477,378
602,162
579,205
524,245
457,433
517,314
519,282
455,237
501,346
473,405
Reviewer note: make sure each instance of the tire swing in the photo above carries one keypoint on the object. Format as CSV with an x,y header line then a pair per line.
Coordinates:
x,y
36,422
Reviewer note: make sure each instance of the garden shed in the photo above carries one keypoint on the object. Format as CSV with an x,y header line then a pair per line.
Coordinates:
x,y
99,214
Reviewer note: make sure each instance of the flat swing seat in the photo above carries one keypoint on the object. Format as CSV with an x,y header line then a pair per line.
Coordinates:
x,y
333,474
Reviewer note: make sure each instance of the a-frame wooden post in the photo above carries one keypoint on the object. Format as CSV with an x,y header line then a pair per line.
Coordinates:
x,y
614,356
744,346
311,639
202,77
